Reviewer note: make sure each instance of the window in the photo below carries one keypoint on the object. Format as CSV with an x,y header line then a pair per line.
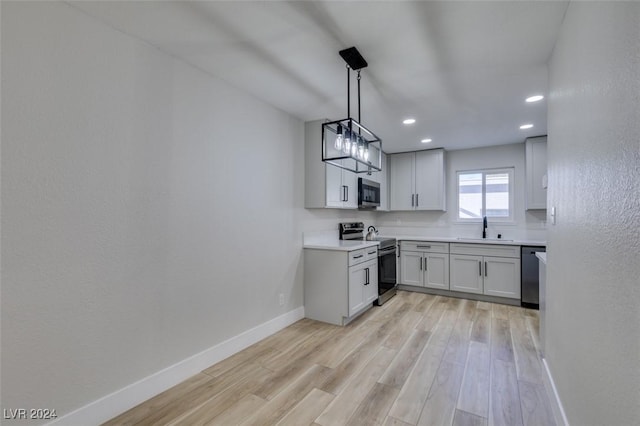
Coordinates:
x,y
485,193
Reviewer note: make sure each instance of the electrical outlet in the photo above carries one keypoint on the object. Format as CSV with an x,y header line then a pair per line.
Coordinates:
x,y
281,299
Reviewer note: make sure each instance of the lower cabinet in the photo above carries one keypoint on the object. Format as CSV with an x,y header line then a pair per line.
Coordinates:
x,y
363,285
424,264
479,271
339,285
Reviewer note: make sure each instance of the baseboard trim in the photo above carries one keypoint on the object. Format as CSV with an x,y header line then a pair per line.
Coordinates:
x,y
111,405
556,404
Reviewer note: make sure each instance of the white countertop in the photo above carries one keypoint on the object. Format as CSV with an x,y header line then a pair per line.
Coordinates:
x,y
339,245
542,256
469,240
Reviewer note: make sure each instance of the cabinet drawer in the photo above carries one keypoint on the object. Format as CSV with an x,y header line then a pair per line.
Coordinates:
x,y
357,256
424,246
371,253
486,250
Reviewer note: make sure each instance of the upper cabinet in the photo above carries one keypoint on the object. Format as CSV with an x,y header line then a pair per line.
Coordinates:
x,y
417,180
328,186
536,172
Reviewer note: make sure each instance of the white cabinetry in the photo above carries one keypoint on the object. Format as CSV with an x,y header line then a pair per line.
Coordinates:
x,y
382,177
536,172
326,186
424,264
493,270
339,285
417,180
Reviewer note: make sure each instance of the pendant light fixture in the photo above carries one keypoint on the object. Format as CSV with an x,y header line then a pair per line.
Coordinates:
x,y
347,143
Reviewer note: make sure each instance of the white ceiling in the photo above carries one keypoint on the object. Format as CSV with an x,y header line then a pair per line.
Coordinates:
x,y
461,69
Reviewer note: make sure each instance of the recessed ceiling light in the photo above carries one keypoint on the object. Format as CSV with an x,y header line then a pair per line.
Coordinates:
x,y
535,98
526,126
425,140
409,121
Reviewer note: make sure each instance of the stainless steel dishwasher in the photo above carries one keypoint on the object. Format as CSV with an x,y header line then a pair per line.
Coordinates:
x,y
530,279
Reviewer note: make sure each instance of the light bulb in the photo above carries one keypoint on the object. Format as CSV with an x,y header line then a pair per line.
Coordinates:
x,y
339,138
366,154
338,142
354,149
346,146
361,150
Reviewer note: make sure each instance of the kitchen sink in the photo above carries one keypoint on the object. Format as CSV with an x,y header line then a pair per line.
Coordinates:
x,y
485,239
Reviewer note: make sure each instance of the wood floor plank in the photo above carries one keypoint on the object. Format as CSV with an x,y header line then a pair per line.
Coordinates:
x,y
533,324
440,406
277,408
425,303
481,326
392,421
308,409
501,345
462,418
341,408
536,408
414,392
151,406
256,351
373,409
350,366
403,330
399,369
528,363
486,306
474,391
468,309
203,413
432,317
238,412
459,341
302,349
505,399
499,311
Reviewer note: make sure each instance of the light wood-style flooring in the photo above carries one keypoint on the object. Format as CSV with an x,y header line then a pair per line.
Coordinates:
x,y
418,360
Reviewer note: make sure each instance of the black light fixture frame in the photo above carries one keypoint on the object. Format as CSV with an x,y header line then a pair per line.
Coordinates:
x,y
362,136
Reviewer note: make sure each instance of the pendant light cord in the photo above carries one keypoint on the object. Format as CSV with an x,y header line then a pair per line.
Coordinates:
x,y
359,117
348,91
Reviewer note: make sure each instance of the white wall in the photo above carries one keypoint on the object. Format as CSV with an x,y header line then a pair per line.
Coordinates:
x,y
149,211
593,291
527,224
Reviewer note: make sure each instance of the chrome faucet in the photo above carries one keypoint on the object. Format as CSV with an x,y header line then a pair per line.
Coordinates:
x,y
484,227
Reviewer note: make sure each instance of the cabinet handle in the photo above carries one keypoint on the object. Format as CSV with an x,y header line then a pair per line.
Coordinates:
x,y
371,252
358,256
347,197
412,199
367,276
421,264
426,263
479,268
485,269
417,200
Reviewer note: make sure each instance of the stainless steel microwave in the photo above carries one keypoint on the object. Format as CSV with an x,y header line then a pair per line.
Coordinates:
x,y
368,194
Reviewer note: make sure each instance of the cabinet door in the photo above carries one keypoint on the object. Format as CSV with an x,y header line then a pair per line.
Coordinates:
x,y
350,182
411,268
402,181
430,180
466,273
371,289
436,272
334,189
502,277
357,278
536,170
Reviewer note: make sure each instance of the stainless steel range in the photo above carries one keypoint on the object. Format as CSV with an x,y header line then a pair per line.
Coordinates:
x,y
387,280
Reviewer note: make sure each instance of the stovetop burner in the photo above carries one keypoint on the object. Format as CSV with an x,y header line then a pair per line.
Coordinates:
x,y
355,231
